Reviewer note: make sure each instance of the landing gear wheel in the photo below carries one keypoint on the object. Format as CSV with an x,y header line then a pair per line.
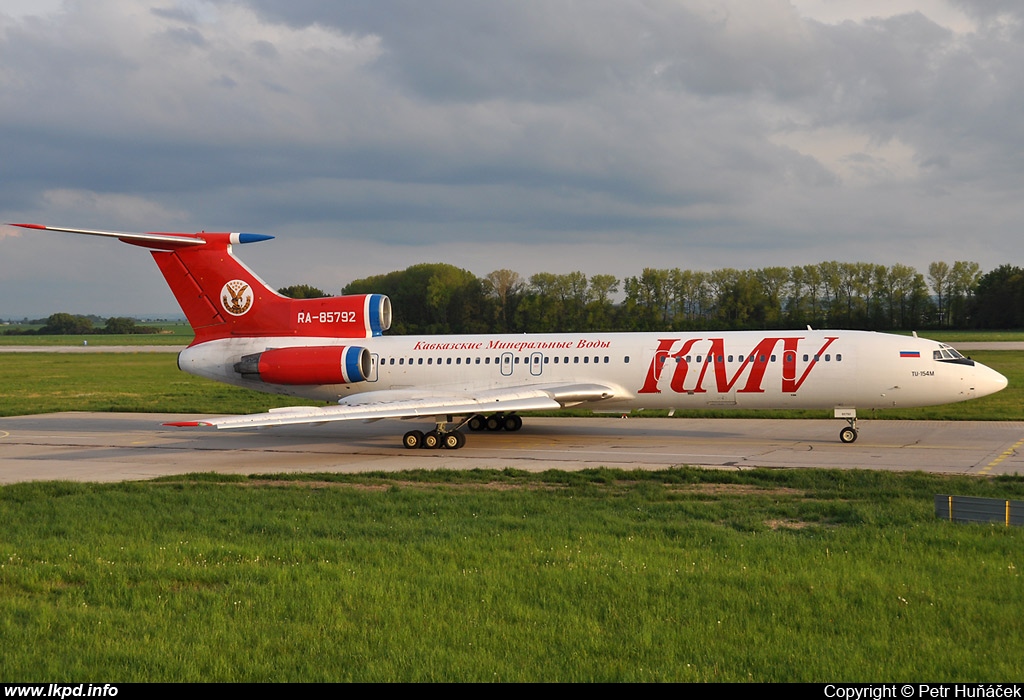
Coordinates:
x,y
412,439
453,440
847,435
476,423
495,422
432,440
512,423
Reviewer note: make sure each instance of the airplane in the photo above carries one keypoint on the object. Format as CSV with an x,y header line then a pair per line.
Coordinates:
x,y
334,350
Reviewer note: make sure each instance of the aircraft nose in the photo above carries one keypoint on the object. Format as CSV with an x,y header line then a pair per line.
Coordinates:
x,y
988,381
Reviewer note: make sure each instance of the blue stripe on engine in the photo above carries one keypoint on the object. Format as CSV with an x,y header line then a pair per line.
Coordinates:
x,y
351,363
373,314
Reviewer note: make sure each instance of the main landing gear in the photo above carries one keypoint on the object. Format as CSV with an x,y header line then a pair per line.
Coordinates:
x,y
495,422
454,438
435,439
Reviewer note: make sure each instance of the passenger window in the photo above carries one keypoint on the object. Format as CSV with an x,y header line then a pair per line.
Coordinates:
x,y
839,357
625,360
828,358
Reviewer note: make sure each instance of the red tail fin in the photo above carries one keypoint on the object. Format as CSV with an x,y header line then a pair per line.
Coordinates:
x,y
222,298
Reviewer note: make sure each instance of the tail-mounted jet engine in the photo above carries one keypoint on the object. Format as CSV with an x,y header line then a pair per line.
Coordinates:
x,y
307,365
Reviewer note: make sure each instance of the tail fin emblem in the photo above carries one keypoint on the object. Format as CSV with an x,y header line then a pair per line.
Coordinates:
x,y
236,297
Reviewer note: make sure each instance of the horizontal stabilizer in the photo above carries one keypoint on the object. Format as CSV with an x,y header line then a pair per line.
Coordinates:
x,y
162,241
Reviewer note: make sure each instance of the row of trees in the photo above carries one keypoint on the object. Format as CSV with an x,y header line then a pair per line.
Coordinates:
x,y
74,324
849,295
441,298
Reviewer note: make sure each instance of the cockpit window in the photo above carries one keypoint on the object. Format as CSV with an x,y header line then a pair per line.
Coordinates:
x,y
946,353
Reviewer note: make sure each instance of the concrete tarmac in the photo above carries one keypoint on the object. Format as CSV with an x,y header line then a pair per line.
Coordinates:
x,y
126,446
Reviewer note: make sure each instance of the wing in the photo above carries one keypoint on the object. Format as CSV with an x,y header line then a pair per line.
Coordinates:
x,y
400,403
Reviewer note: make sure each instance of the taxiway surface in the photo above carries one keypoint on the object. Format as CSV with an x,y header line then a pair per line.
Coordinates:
x,y
116,447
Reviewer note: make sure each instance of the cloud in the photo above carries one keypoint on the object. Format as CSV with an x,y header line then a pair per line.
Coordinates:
x,y
683,132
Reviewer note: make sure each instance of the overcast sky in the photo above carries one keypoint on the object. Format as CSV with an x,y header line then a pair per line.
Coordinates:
x,y
550,135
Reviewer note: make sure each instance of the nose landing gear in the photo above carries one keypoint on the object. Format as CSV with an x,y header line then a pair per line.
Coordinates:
x,y
849,433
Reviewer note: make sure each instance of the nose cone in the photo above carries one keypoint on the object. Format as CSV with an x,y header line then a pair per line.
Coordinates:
x,y
987,380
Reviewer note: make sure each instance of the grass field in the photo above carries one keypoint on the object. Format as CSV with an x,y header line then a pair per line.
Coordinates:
x,y
604,575
151,382
954,337
171,334
681,575
134,382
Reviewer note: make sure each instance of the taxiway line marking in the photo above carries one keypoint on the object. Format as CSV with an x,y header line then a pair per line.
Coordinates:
x,y
1006,453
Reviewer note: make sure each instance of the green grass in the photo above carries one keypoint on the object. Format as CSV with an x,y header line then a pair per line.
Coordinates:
x,y
680,575
151,382
132,382
954,337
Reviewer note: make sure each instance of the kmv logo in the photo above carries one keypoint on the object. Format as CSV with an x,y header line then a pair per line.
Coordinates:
x,y
688,377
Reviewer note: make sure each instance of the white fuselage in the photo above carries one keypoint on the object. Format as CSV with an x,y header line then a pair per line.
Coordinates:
x,y
666,370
